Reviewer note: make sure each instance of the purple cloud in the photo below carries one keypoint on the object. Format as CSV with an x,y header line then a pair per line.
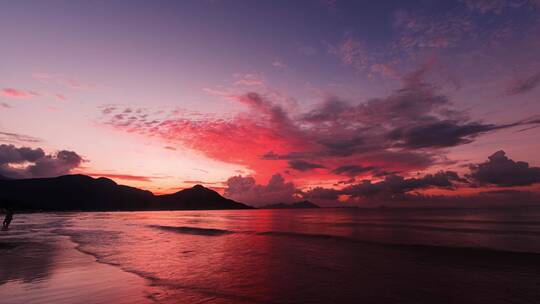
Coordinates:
x,y
245,189
524,85
26,162
500,170
301,165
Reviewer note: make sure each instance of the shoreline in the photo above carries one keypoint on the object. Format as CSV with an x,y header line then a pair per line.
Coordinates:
x,y
355,208
56,271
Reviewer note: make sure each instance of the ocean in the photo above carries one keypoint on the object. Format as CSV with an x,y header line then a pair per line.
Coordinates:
x,y
274,256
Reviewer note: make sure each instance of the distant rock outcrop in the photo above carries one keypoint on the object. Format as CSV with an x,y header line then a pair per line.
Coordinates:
x,y
81,192
297,205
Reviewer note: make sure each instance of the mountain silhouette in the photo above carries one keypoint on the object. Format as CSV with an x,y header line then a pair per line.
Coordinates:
x,y
197,197
81,192
297,205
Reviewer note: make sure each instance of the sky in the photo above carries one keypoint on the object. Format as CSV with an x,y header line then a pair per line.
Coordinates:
x,y
344,103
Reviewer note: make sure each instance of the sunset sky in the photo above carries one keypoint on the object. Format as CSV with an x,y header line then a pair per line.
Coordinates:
x,y
339,102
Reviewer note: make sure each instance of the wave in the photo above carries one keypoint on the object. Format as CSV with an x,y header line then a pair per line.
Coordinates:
x,y
193,230
441,229
153,279
424,247
450,221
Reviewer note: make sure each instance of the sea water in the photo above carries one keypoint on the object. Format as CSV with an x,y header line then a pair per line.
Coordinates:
x,y
274,256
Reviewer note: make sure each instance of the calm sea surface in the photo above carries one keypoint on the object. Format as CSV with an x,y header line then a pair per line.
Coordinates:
x,y
273,256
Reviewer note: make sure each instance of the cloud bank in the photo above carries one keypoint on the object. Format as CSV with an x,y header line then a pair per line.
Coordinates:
x,y
24,162
498,172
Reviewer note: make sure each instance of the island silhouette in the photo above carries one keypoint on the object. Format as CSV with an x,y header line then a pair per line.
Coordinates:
x,y
295,205
83,193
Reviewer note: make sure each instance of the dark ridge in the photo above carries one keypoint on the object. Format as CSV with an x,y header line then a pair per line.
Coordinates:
x,y
196,198
193,230
84,193
297,205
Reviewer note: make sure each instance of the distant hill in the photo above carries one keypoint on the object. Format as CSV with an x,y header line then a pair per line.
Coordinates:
x,y
195,198
81,192
297,205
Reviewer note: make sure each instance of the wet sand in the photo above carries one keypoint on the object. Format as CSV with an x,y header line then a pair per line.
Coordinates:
x,y
56,272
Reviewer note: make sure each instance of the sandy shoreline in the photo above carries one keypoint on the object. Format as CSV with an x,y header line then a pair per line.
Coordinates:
x,y
54,271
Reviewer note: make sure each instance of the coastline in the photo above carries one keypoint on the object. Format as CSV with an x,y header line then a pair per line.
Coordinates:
x,y
55,271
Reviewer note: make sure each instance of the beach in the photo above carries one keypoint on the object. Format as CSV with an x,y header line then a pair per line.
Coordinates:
x,y
39,268
272,256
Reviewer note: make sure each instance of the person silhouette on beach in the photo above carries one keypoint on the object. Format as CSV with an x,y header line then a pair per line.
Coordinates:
x,y
8,218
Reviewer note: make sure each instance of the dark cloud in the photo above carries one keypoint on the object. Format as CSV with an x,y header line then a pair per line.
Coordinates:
x,y
320,193
398,185
414,116
108,110
8,137
392,188
246,190
500,170
524,85
349,181
382,173
484,199
26,162
352,170
9,154
439,134
54,165
302,165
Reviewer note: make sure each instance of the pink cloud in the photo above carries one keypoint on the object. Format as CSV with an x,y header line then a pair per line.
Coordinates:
x,y
418,31
352,52
120,176
64,81
60,97
249,80
385,70
15,93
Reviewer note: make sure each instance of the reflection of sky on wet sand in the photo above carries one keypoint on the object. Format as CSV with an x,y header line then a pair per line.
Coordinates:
x,y
26,262
40,267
